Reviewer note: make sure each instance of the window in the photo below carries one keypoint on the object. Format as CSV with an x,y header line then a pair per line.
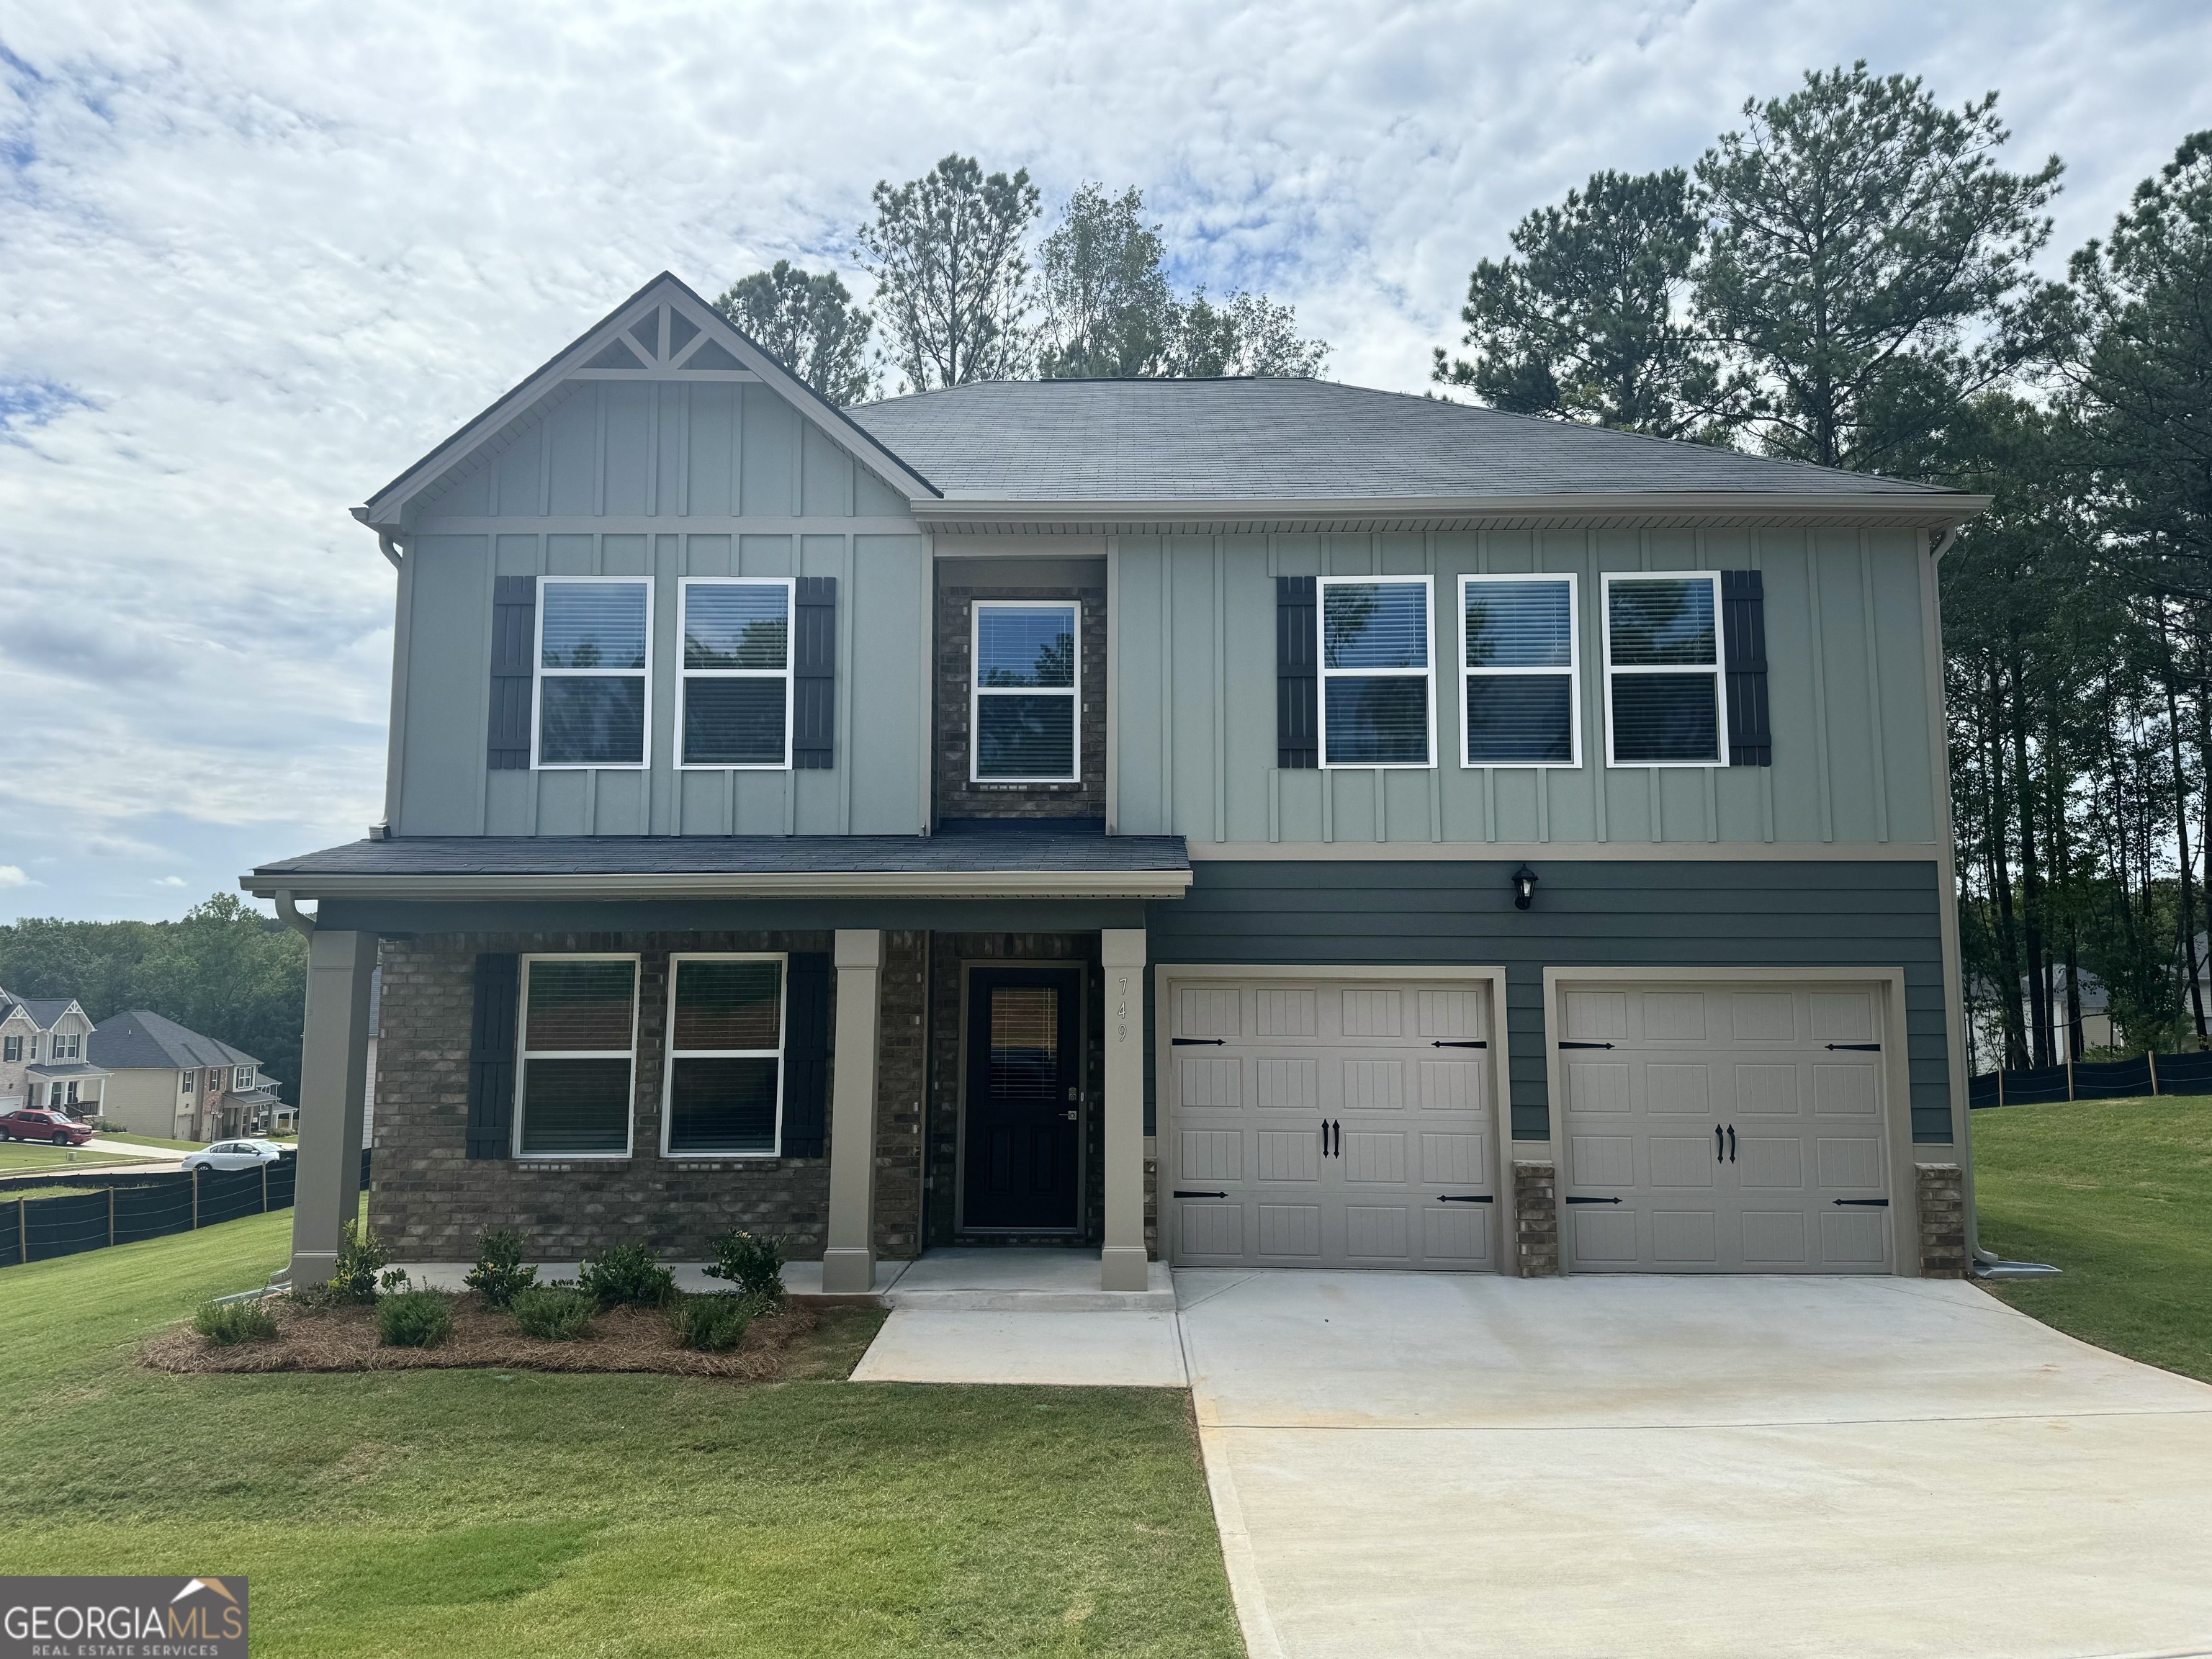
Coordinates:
x,y
54,1094
579,1046
1023,705
591,644
71,1098
1662,670
67,1044
737,671
35,1047
725,1088
1517,671
13,1050
185,1082
243,1076
1375,671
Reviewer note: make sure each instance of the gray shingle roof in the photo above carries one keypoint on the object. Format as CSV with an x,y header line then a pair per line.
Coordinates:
x,y
530,855
43,1010
1293,439
142,1040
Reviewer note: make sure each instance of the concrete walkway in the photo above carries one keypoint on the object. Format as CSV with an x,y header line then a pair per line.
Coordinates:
x,y
1408,1464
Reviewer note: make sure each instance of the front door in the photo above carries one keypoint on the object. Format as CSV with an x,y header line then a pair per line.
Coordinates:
x,y
1023,1119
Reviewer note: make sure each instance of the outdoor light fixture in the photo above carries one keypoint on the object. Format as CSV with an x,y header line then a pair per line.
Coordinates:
x,y
1524,887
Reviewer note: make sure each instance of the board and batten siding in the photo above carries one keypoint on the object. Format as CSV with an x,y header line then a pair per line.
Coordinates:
x,y
1609,913
663,480
1195,696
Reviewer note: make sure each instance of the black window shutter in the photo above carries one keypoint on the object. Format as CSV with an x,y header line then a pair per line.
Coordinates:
x,y
491,1056
514,637
806,1055
814,676
1744,627
1297,727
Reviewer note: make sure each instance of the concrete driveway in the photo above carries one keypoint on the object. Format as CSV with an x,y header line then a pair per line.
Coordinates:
x,y
1408,1464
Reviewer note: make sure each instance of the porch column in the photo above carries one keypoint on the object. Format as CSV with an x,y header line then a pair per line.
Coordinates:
x,y
848,1262
333,1075
1123,1263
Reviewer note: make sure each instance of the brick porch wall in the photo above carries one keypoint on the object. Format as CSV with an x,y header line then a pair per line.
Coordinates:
x,y
429,1201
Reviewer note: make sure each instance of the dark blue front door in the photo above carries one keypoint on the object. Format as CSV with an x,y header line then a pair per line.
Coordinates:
x,y
1025,1115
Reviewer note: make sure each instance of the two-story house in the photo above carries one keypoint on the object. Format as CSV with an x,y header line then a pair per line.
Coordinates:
x,y
167,1081
1223,821
45,1058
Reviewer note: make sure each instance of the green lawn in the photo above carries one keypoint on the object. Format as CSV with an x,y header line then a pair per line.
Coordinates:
x,y
46,1189
521,1513
2118,1194
20,1155
155,1140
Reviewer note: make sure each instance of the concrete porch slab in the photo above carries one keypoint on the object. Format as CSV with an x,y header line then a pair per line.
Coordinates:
x,y
985,1281
1107,1350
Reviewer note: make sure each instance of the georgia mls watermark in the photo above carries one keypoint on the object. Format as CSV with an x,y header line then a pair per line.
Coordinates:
x,y
122,1618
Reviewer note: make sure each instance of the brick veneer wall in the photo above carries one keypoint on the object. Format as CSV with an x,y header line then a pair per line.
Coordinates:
x,y
430,1202
1940,1192
956,796
1536,1213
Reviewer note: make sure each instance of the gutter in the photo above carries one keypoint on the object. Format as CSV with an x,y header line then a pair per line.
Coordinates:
x,y
290,914
725,885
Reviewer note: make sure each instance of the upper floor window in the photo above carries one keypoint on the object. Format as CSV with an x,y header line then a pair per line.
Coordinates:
x,y
1518,671
737,671
725,1087
1662,670
1022,702
184,1083
1377,699
68,1045
578,1055
591,683
13,1048
242,1078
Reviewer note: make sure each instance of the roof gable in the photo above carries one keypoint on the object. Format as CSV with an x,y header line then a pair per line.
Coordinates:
x,y
142,1040
666,332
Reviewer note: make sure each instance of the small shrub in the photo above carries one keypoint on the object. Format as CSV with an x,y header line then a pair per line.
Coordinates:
x,y
224,1323
714,1322
394,1281
499,1275
414,1319
553,1313
751,1261
361,1256
627,1276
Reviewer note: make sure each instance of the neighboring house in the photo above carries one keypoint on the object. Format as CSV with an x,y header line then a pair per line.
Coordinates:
x,y
1259,822
171,1082
43,1056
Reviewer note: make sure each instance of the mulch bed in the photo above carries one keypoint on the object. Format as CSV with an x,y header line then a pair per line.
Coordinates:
x,y
483,1337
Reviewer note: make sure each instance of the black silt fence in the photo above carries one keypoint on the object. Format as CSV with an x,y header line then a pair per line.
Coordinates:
x,y
2112,1079
2146,1074
40,1229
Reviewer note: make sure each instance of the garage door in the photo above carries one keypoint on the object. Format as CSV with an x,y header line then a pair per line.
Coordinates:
x,y
1329,1123
1718,1129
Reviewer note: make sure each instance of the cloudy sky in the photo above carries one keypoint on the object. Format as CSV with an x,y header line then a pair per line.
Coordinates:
x,y
254,260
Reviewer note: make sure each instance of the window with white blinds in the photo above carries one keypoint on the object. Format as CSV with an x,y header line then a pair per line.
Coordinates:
x,y
1662,670
593,644
578,1056
737,671
1375,671
724,1075
1022,700
1518,671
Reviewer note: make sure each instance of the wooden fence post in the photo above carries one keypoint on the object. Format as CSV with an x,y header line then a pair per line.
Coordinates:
x,y
265,1189
111,1217
22,1234
2152,1059
196,1201
2070,1079
1999,1085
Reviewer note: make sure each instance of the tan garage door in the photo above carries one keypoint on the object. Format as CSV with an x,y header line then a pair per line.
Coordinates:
x,y
1724,1128
1329,1123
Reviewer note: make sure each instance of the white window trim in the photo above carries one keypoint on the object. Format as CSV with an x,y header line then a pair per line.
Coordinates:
x,y
1718,670
1322,584
788,673
977,691
671,1052
524,1054
241,1078
1573,673
538,673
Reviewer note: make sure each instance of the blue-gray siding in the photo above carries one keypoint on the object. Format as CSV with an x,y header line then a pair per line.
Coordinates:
x,y
1630,915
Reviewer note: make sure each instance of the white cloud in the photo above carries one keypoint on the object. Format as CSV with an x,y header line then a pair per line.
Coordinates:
x,y
248,273
168,881
11,876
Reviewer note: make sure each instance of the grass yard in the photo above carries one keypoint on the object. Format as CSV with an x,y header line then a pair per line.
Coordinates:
x,y
46,1189
157,1142
522,1513
2118,1194
20,1155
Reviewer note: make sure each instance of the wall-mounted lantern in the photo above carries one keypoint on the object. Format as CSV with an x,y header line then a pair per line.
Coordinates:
x,y
1524,887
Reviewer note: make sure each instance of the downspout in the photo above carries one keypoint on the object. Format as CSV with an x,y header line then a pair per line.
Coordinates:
x,y
1987,1264
292,916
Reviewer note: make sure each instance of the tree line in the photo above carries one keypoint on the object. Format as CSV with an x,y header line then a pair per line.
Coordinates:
x,y
226,971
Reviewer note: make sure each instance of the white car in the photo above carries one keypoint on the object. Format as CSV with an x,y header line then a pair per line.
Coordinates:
x,y
234,1155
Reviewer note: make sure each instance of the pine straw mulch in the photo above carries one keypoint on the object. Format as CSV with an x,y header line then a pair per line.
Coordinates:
x,y
618,1339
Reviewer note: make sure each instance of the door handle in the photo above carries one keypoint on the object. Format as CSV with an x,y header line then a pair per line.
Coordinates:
x,y
1179,1193
1337,1130
1325,1127
1720,1147
1731,1143
1463,1198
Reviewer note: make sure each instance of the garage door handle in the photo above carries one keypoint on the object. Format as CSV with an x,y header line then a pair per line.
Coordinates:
x,y
1459,1045
1179,1192
1462,1198
1868,1203
1859,1048
1195,1042
1586,1045
1571,1199
1731,1143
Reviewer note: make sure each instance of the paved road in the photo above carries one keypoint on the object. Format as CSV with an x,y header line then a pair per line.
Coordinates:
x,y
1412,1464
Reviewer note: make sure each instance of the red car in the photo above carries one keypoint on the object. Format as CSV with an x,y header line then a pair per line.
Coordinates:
x,y
35,1123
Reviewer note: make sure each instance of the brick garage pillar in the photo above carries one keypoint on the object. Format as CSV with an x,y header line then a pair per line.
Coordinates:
x,y
1536,1218
1940,1192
